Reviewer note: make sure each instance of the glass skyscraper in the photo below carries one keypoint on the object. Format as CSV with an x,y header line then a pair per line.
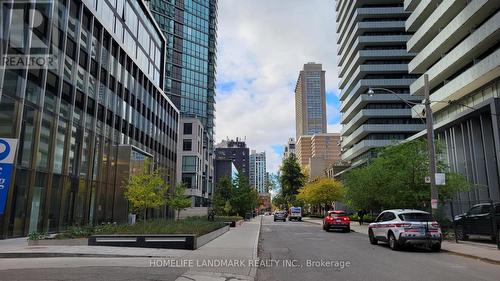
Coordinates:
x,y
190,27
85,123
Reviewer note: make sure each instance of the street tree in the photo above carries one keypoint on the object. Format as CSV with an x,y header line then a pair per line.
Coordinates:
x,y
223,194
178,199
244,198
145,190
395,179
322,192
291,179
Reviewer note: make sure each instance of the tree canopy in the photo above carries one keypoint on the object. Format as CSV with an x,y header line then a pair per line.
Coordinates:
x,y
322,191
395,179
145,190
178,199
291,179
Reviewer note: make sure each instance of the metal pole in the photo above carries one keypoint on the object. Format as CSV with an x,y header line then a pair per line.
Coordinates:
x,y
430,146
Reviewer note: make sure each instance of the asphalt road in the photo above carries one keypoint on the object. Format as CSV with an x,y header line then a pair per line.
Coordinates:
x,y
303,251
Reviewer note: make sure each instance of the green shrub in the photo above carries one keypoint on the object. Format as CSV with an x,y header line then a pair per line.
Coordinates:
x,y
37,236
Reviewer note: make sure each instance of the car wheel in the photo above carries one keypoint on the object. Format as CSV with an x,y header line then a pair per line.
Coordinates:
x,y
347,230
461,233
393,243
373,240
436,247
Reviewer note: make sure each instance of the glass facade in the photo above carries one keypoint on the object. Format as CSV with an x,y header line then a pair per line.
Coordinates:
x,y
190,27
106,92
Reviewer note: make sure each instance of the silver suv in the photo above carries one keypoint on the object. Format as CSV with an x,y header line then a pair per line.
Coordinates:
x,y
406,227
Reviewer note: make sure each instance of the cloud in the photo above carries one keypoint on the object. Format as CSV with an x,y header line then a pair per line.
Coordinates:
x,y
262,46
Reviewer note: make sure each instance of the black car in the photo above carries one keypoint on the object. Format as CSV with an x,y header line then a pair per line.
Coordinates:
x,y
280,216
478,221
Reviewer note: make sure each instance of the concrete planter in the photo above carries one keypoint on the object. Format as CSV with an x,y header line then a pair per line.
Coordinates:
x,y
59,242
164,241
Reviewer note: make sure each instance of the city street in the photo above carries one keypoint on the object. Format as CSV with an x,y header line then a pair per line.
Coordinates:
x,y
304,241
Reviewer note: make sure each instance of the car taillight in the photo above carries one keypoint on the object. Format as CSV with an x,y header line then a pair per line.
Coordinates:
x,y
402,225
345,218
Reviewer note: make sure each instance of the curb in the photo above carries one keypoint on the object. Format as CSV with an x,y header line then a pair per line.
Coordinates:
x,y
253,270
66,255
496,262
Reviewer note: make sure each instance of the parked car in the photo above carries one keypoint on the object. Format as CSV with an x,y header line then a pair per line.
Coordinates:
x,y
280,216
405,227
337,220
478,221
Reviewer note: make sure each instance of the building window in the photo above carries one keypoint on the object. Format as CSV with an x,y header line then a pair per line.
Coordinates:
x,y
187,145
189,163
188,128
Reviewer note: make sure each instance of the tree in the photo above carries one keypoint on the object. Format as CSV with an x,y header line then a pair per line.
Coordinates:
x,y
244,198
395,179
228,208
223,194
178,199
322,192
145,190
291,179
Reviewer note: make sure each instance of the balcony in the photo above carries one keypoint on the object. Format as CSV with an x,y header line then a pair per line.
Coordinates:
x,y
458,29
467,51
420,13
441,16
366,114
362,70
363,146
472,79
362,86
363,130
378,40
363,55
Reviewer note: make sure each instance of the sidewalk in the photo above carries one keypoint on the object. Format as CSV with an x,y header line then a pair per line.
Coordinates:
x,y
238,243
481,251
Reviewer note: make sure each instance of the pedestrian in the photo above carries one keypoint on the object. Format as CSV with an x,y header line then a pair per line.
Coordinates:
x,y
361,214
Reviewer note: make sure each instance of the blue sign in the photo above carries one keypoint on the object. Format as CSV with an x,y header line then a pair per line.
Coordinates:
x,y
7,155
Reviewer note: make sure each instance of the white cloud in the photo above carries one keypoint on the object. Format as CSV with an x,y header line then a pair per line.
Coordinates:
x,y
262,46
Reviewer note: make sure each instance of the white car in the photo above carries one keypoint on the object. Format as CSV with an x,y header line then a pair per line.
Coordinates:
x,y
406,227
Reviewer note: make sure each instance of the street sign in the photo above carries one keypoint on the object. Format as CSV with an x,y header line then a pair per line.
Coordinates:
x,y
7,155
440,179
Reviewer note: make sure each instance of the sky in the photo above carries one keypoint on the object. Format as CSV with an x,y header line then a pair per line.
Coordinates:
x,y
262,45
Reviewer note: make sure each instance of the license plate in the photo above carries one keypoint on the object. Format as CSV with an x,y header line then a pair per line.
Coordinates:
x,y
338,220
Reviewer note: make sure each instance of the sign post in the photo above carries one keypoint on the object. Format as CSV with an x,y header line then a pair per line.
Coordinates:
x,y
7,155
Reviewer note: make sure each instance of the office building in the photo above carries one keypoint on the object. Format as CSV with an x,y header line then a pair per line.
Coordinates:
x,y
372,53
88,122
289,148
225,168
236,151
190,27
317,152
310,101
257,176
456,45
195,165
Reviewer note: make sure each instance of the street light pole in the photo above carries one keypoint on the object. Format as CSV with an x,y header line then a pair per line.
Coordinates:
x,y
430,146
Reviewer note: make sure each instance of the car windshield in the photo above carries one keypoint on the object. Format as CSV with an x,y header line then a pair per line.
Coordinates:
x,y
417,217
341,214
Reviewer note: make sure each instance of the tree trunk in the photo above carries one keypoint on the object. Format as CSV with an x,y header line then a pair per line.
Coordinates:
x,y
178,213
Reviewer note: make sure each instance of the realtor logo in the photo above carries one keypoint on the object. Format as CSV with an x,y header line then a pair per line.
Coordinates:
x,y
25,27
